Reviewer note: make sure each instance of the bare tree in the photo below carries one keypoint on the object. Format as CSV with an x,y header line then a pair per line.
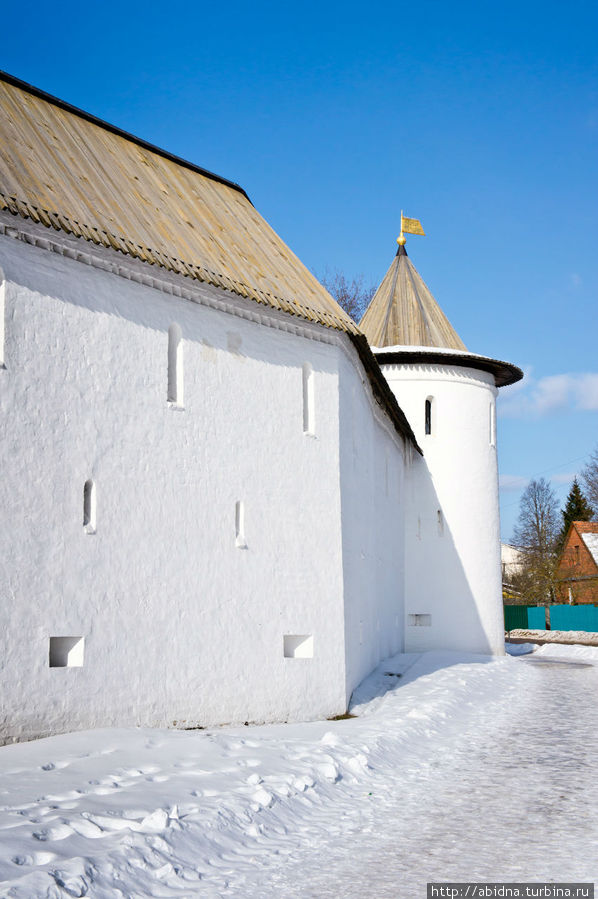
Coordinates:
x,y
536,533
351,295
589,477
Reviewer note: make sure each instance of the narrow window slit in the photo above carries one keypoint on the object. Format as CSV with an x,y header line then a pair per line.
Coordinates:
x,y
428,416
89,507
308,400
175,366
240,541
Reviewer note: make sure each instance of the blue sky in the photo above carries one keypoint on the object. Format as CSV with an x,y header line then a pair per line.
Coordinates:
x,y
479,119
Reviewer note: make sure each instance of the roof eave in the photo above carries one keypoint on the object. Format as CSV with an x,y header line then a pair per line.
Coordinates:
x,y
504,373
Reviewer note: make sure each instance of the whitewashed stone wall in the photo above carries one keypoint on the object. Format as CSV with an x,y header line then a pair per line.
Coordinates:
x,y
183,618
453,586
372,499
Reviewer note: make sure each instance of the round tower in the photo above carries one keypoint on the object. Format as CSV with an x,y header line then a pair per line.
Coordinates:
x,y
453,582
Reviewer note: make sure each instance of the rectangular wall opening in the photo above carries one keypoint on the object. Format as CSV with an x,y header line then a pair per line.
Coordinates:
x,y
308,400
492,424
66,652
89,507
419,620
240,541
298,646
175,366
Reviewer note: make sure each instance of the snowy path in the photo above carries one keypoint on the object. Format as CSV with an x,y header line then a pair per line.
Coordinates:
x,y
459,770
513,797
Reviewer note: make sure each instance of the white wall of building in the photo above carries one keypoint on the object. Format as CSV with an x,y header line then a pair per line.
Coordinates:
x,y
183,618
372,499
453,596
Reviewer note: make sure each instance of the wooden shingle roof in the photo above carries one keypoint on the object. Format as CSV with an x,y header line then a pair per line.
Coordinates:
x,y
70,171
404,312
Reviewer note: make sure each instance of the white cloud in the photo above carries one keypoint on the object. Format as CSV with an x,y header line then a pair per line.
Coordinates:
x,y
512,482
549,394
588,397
564,478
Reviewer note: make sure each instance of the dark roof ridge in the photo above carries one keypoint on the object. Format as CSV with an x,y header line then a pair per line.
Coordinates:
x,y
114,129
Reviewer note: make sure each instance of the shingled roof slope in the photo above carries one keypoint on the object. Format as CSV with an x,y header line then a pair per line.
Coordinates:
x,y
64,168
404,312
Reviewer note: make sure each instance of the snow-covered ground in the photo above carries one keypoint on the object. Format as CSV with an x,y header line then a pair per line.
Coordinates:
x,y
457,768
585,638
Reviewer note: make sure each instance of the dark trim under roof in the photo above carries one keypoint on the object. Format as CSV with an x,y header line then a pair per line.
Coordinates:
x,y
381,389
56,101
505,373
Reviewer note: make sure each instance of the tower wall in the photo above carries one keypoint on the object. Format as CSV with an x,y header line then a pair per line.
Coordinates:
x,y
453,593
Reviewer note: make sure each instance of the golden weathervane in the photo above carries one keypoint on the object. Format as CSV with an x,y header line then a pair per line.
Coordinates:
x,y
410,226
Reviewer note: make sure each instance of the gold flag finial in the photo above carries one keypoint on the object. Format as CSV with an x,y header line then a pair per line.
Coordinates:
x,y
411,226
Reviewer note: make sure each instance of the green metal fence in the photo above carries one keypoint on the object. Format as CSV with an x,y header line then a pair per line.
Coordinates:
x,y
516,617
562,618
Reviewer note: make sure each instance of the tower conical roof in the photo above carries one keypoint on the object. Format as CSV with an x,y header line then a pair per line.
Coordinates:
x,y
403,312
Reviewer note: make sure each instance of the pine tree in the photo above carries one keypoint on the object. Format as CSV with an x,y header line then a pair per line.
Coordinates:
x,y
577,508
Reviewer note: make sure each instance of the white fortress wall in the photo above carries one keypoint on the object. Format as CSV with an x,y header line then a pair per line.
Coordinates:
x,y
212,519
372,498
453,576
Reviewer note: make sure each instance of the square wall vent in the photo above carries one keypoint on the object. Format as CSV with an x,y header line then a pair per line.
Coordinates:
x,y
66,652
419,620
298,646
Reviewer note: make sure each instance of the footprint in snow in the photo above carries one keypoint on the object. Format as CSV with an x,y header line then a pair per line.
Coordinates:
x,y
34,858
72,886
113,780
58,832
53,766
